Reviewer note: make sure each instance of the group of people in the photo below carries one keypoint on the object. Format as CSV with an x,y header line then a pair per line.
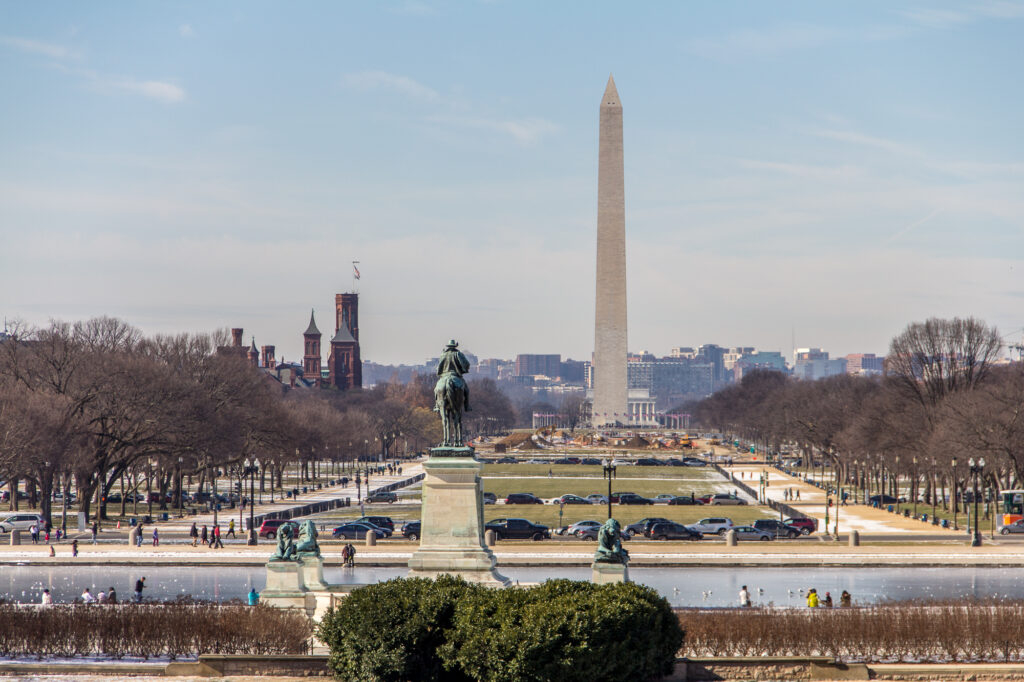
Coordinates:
x,y
814,601
348,555
107,597
791,494
210,538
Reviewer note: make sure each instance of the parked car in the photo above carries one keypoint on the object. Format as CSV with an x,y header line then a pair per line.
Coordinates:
x,y
648,462
358,531
663,498
777,528
591,534
571,499
712,525
694,462
1015,527
597,498
518,529
631,498
271,527
727,498
672,531
506,460
751,533
9,522
523,498
411,530
640,526
384,522
591,461
804,524
883,499
490,498
382,496
579,526
683,499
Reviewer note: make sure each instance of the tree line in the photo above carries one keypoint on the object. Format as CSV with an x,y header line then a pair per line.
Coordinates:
x,y
95,403
942,399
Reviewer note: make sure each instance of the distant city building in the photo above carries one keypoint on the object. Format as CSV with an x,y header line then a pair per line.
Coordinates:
x,y
344,363
759,360
669,381
730,357
864,363
715,356
532,365
683,352
572,372
814,363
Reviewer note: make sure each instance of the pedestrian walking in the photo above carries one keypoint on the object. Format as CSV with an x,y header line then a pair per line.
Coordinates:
x,y
812,598
827,603
87,597
352,555
205,536
140,585
193,533
101,598
156,537
231,529
344,556
138,536
74,547
46,537
254,597
95,531
845,600
34,530
46,599
216,543
798,493
52,551
111,595
744,597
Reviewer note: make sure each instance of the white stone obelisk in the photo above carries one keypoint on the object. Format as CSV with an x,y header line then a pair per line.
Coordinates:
x,y
610,389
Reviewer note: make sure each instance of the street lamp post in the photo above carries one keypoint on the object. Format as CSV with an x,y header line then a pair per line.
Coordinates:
x,y
608,471
181,509
149,487
913,487
896,487
252,468
976,470
934,491
954,491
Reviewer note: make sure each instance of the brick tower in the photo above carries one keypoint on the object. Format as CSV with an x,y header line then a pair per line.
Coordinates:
x,y
346,369
311,356
253,355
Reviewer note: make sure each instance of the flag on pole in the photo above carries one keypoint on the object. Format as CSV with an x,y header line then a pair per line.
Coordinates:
x,y
355,271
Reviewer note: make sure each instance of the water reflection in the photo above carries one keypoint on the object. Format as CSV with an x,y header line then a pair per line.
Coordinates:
x,y
717,586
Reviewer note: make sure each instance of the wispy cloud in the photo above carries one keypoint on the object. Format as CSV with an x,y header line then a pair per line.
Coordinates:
x,y
861,139
526,130
414,8
186,31
938,18
767,40
38,47
933,17
162,91
382,80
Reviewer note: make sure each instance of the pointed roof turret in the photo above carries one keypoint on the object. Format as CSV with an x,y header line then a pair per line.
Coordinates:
x,y
311,330
252,348
611,95
343,335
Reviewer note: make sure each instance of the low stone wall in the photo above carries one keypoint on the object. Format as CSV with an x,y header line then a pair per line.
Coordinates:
x,y
264,666
768,668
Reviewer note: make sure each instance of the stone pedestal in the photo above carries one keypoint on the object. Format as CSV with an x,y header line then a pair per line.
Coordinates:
x,y
285,586
452,531
311,572
609,573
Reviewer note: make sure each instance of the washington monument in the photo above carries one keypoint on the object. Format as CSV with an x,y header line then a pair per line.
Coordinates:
x,y
610,392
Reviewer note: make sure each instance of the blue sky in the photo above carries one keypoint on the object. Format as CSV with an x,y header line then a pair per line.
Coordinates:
x,y
836,170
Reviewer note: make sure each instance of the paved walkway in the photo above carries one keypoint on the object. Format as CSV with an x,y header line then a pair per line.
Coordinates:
x,y
859,517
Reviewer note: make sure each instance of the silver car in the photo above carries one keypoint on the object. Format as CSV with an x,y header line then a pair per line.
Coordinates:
x,y
712,526
11,522
751,533
1015,527
579,527
598,499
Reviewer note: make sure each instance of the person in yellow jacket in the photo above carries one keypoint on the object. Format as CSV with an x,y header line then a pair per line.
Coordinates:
x,y
812,598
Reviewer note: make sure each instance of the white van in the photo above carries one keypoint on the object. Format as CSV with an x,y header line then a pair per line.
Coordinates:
x,y
9,522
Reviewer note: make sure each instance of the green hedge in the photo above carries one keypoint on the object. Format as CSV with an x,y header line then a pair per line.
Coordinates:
x,y
418,629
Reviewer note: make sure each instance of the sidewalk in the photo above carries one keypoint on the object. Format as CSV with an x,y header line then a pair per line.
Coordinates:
x,y
858,517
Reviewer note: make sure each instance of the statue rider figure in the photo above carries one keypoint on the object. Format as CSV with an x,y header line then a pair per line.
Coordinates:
x,y
453,361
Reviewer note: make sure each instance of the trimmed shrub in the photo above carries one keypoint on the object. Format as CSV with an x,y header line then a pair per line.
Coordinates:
x,y
565,630
392,630
418,629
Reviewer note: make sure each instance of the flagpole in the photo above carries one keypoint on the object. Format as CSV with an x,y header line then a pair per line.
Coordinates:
x,y
355,275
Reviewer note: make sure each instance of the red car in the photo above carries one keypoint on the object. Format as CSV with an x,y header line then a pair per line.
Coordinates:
x,y
270,527
806,525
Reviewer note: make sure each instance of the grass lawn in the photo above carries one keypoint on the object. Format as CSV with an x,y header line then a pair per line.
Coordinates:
x,y
577,470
